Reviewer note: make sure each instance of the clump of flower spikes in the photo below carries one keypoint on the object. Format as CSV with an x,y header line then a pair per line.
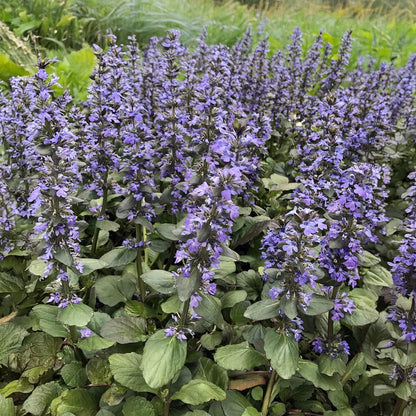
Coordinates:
x,y
50,178
404,269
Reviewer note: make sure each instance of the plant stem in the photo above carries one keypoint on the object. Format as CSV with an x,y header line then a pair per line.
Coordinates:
x,y
139,267
399,407
268,395
166,406
330,321
184,314
102,212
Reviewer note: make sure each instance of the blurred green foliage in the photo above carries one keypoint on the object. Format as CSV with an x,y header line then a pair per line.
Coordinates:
x,y
382,29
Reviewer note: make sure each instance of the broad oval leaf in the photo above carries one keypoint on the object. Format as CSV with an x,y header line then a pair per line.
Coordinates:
x,y
283,353
198,392
239,357
163,358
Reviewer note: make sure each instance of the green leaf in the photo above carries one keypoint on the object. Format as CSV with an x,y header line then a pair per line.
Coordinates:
x,y
232,298
91,265
404,391
7,407
112,290
41,398
289,307
10,69
114,395
251,411
126,369
77,314
161,281
383,389
283,353
37,267
328,365
107,225
10,284
171,305
199,391
11,337
94,343
239,357
339,399
210,341
64,256
378,276
119,256
36,356
355,368
318,305
209,309
251,282
225,268
310,371
186,286
77,401
16,386
163,358
365,312
212,372
125,329
47,317
264,309
168,232
138,406
235,404
367,259
98,371
74,374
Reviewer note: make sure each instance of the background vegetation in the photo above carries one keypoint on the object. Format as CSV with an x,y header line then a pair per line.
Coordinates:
x,y
383,29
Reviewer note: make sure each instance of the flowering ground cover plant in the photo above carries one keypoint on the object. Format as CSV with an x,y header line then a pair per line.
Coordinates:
x,y
219,231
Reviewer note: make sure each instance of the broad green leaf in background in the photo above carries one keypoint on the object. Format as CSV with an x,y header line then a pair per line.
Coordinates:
x,y
138,406
229,299
77,314
125,329
209,309
127,370
310,371
212,372
378,276
120,256
264,309
94,343
319,304
115,289
355,368
42,397
283,353
234,404
80,402
239,357
7,407
47,317
20,385
98,371
163,358
10,283
161,281
74,374
199,391
11,337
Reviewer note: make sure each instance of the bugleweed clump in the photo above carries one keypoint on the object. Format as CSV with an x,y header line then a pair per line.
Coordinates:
x,y
213,232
